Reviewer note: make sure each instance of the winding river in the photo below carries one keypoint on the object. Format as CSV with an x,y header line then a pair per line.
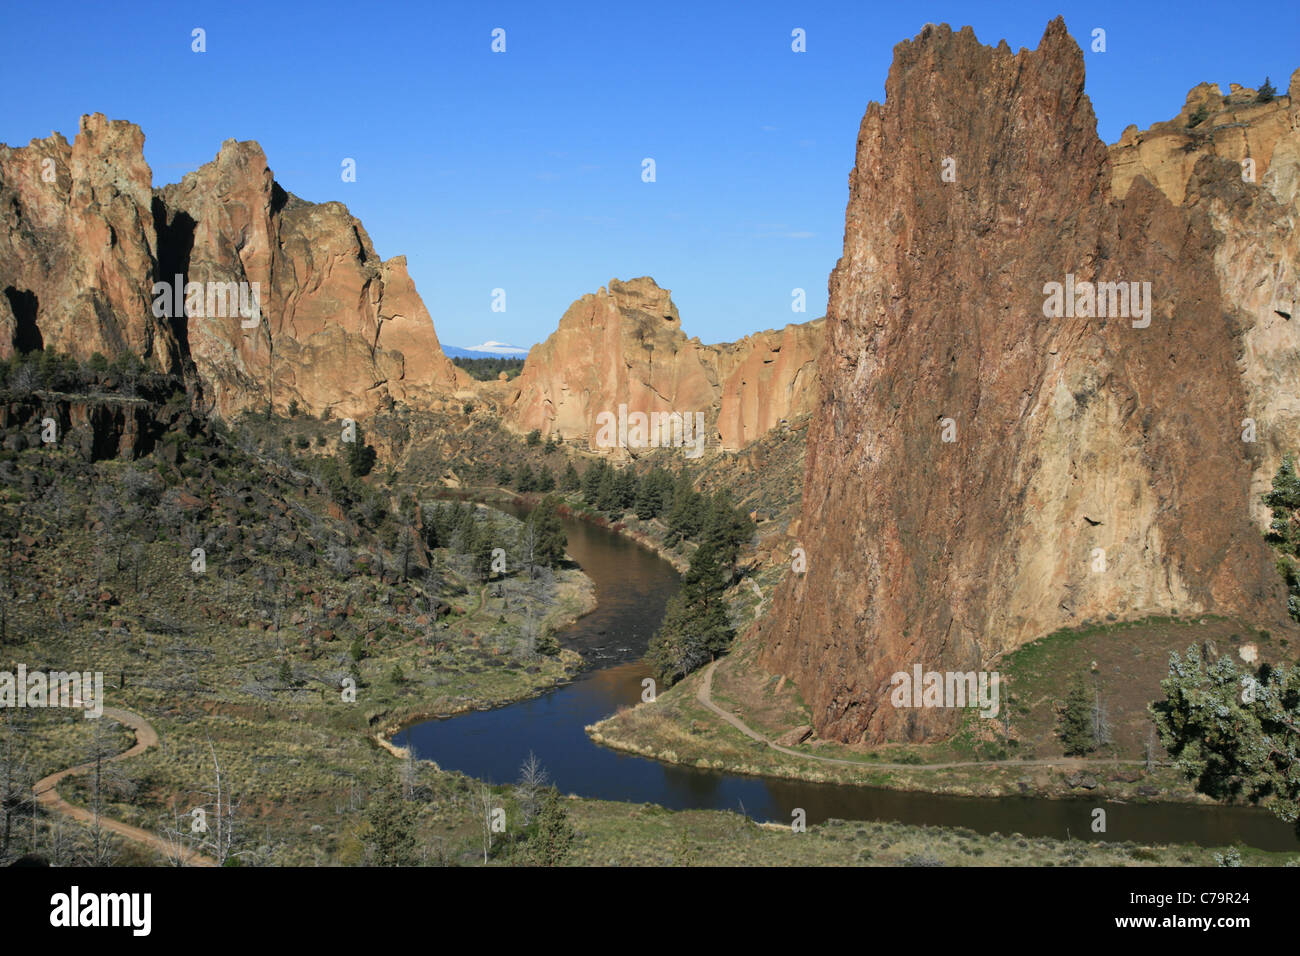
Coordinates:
x,y
632,587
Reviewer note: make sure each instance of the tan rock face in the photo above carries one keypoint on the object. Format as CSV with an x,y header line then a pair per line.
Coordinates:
x,y
1234,127
78,246
625,346
80,255
1091,467
339,328
764,379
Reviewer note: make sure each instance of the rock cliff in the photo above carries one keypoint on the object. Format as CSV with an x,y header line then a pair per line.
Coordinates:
x,y
86,238
987,463
624,345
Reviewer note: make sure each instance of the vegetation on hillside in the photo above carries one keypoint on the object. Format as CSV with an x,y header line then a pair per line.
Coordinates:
x,y
490,369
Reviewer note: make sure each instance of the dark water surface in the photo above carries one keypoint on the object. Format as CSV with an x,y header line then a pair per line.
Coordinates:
x,y
632,587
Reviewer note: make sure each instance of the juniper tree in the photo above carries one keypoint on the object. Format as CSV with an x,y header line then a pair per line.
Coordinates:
x,y
552,835
1077,728
1236,734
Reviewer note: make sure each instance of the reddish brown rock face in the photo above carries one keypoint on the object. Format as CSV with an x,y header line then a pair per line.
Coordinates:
x,y
1094,467
84,244
78,246
625,346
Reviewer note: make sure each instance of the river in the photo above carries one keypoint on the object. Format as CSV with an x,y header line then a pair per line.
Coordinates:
x,y
632,587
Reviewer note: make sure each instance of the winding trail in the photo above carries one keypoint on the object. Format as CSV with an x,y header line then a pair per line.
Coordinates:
x,y
704,695
145,737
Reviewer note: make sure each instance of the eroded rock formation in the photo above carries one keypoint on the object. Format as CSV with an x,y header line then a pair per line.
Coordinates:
x,y
979,473
624,345
86,239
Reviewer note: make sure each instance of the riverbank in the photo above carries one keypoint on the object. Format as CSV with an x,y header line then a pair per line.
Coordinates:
x,y
1018,756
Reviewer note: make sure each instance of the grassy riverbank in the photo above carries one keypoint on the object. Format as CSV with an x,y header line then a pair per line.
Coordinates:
x,y
1017,755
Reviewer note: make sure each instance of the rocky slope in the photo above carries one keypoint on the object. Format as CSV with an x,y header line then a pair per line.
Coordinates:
x,y
625,345
85,239
980,473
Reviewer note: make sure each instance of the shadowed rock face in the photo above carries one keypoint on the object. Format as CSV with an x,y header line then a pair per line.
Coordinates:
x,y
1078,440
625,345
79,256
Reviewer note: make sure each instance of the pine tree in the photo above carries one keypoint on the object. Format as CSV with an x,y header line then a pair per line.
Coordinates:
x,y
570,481
625,489
392,829
1284,500
360,456
651,495
551,539
685,518
607,493
552,834
696,628
1077,720
524,480
591,479
545,480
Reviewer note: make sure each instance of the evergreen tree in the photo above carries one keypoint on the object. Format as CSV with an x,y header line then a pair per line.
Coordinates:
x,y
726,528
1284,500
524,480
1076,720
696,627
625,489
1236,734
545,480
392,829
359,456
1284,530
551,539
654,494
1267,93
570,481
591,479
685,518
606,492
551,834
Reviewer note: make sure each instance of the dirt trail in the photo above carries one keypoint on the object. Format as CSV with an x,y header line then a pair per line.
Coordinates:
x,y
704,694
145,737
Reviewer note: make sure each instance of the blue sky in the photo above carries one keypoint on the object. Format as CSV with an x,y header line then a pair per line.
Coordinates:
x,y
522,170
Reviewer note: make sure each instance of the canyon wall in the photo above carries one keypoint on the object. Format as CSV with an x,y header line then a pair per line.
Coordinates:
x,y
983,467
86,238
624,345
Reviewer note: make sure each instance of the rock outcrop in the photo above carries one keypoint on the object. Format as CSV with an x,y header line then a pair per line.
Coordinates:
x,y
78,246
1234,127
331,326
624,345
983,468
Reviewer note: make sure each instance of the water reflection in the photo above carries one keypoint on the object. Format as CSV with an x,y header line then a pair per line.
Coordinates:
x,y
632,587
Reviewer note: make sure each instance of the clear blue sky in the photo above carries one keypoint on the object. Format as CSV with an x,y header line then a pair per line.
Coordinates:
x,y
522,170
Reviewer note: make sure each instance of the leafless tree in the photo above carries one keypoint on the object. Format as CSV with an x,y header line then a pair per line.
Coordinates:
x,y
528,546
105,778
16,797
181,838
222,836
533,779
484,804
